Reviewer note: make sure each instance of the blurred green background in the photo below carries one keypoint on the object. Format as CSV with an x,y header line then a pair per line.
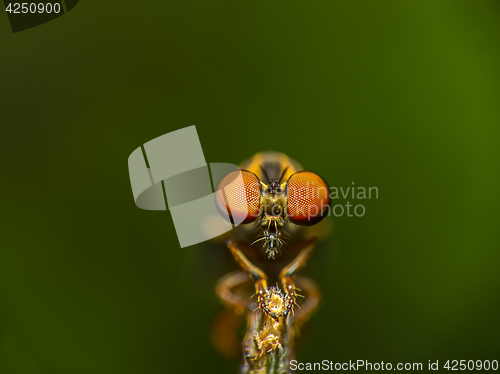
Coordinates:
x,y
403,96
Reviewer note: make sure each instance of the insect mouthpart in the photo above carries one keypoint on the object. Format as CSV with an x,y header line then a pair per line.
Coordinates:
x,y
272,243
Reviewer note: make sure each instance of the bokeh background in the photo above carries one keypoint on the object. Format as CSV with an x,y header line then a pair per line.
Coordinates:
x,y
399,95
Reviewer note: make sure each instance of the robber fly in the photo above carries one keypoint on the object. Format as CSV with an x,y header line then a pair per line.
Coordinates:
x,y
279,207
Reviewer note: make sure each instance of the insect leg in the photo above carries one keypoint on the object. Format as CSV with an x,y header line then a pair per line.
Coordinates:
x,y
224,332
226,291
257,274
225,325
294,266
313,297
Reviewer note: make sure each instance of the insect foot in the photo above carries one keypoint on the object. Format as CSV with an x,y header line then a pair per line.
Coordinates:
x,y
274,303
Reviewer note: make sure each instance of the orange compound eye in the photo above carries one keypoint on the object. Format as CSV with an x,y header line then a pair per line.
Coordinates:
x,y
238,193
308,198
